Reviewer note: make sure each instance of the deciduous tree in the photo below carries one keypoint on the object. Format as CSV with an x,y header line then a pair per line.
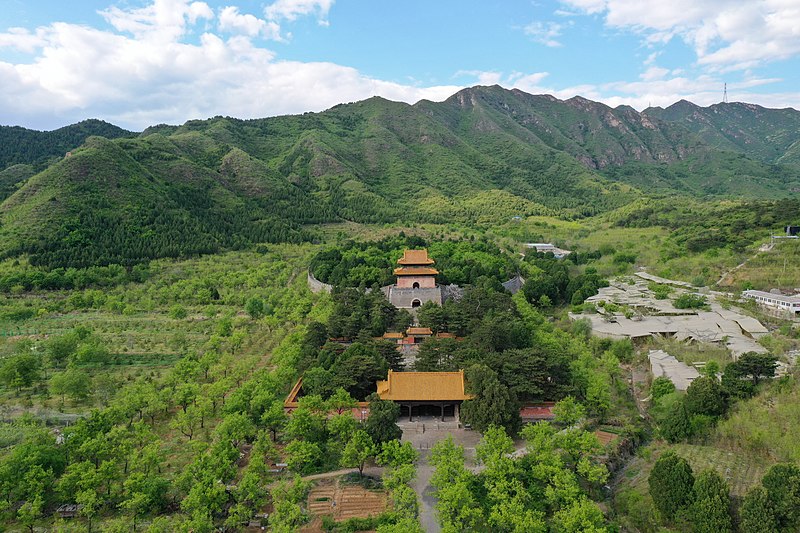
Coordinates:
x,y
705,397
358,450
381,424
493,404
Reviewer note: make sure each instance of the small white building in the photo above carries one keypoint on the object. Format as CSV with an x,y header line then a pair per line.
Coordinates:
x,y
789,304
546,247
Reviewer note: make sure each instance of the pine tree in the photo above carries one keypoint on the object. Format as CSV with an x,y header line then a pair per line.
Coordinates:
x,y
677,426
671,484
757,514
711,507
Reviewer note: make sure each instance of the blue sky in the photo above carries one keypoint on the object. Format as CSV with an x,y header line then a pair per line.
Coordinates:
x,y
142,62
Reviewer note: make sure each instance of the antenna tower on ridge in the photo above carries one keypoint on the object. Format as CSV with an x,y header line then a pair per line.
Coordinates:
x,y
725,94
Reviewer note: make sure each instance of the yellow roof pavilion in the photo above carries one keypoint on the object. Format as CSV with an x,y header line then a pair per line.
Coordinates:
x,y
415,257
423,386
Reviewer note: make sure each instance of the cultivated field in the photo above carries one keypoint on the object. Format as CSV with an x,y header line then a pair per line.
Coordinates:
x,y
342,502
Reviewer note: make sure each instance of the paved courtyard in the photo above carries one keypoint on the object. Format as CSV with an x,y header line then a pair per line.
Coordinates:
x,y
423,440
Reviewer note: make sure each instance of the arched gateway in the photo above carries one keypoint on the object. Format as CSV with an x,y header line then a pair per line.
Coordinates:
x,y
425,393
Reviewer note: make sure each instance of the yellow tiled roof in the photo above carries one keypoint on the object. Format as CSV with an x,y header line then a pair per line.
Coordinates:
x,y
423,386
415,271
415,257
393,335
419,331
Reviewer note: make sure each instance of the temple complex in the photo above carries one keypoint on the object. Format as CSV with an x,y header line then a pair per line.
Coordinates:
x,y
416,281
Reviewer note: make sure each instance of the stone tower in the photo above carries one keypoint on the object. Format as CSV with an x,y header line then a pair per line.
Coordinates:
x,y
416,281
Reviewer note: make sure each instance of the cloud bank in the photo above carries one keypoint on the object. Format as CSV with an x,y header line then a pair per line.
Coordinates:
x,y
726,35
147,70
175,60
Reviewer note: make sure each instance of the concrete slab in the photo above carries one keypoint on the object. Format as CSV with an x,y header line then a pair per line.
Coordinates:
x,y
730,327
752,326
664,364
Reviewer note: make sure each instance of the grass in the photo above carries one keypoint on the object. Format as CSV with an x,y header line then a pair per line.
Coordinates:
x,y
741,471
633,508
778,268
765,426
692,353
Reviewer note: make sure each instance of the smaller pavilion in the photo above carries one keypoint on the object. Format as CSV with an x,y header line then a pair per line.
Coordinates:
x,y
292,402
425,393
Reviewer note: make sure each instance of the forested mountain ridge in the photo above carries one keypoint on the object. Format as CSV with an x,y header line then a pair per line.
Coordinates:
x,y
484,155
593,133
24,146
768,135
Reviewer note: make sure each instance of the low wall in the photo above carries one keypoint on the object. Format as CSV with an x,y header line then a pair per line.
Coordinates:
x,y
317,286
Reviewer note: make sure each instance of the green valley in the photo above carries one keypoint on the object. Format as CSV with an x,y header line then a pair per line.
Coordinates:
x,y
166,366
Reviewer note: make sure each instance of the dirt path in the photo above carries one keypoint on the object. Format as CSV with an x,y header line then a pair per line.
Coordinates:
x,y
372,471
761,249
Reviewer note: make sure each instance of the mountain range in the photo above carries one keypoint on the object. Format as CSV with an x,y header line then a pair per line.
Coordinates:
x,y
93,193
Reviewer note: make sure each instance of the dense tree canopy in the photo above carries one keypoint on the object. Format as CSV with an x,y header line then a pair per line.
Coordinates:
x,y
671,484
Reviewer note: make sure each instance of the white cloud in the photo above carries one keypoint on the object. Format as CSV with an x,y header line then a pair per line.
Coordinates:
x,y
544,32
528,82
654,73
482,77
725,34
651,58
163,20
231,21
590,6
150,68
292,9
21,39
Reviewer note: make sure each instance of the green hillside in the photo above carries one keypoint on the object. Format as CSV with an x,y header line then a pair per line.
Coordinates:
x,y
483,156
769,135
21,145
125,201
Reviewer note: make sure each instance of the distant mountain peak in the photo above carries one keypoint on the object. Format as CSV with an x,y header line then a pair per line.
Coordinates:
x,y
684,104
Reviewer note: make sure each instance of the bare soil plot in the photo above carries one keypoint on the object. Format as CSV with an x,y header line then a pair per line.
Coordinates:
x,y
605,437
343,501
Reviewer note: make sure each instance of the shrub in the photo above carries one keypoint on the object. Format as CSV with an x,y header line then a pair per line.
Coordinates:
x,y
178,312
661,386
689,301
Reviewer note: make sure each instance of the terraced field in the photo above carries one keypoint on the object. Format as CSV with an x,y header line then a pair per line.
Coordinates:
x,y
739,470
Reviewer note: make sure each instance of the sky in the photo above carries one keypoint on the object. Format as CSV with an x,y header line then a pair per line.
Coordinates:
x,y
137,63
